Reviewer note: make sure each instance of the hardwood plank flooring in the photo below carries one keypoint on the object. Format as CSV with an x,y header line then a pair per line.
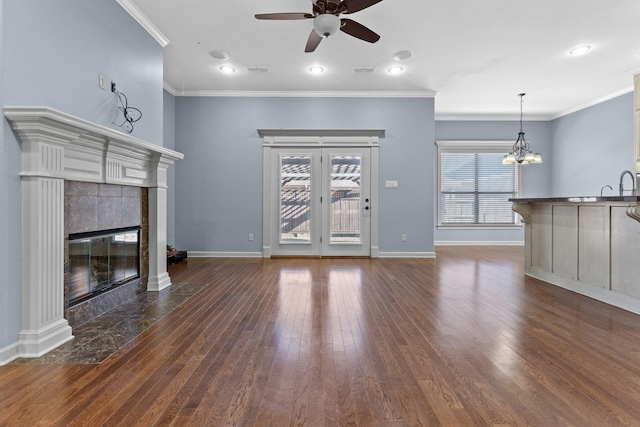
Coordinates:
x,y
462,340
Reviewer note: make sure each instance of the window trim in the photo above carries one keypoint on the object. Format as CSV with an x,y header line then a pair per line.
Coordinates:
x,y
473,146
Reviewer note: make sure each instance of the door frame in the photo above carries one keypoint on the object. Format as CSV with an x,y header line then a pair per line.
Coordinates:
x,y
310,138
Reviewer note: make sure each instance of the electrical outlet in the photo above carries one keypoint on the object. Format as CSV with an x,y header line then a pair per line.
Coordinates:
x,y
250,236
113,87
404,237
101,82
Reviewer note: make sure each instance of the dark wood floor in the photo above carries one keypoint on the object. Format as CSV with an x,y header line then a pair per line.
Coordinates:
x,y
463,340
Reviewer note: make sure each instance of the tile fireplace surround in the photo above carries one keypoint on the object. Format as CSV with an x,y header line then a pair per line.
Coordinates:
x,y
57,147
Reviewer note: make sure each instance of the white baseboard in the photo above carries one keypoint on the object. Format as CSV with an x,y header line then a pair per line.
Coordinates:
x,y
38,342
159,283
478,243
406,255
206,254
8,354
32,344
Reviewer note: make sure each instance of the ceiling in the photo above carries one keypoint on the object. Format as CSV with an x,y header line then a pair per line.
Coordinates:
x,y
474,56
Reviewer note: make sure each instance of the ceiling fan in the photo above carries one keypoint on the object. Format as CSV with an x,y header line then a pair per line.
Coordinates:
x,y
326,21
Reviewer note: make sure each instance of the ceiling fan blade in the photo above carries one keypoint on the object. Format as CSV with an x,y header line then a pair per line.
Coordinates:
x,y
284,16
357,5
313,41
358,30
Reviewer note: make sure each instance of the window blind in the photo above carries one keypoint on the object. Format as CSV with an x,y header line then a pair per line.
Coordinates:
x,y
475,188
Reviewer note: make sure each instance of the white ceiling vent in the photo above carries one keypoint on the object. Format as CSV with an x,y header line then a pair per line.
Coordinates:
x,y
258,69
364,70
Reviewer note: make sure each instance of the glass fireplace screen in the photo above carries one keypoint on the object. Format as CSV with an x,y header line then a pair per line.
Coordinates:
x,y
101,260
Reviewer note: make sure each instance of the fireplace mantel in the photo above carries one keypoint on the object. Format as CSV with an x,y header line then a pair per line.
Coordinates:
x,y
57,147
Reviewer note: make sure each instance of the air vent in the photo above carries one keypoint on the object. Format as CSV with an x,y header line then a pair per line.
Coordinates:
x,y
364,70
260,70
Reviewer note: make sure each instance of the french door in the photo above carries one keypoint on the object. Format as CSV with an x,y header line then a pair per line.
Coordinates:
x,y
320,201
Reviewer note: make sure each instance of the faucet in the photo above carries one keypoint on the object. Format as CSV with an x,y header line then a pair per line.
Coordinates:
x,y
602,189
633,182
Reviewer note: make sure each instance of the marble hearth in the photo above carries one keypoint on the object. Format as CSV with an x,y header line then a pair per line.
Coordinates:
x,y
58,147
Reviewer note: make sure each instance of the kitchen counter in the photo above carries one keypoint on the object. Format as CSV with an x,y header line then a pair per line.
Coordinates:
x,y
579,199
586,244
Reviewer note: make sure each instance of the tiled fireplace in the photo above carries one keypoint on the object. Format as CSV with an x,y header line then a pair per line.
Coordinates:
x,y
106,253
61,150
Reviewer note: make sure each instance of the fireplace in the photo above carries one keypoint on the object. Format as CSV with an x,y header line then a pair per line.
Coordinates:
x,y
58,149
100,220
100,261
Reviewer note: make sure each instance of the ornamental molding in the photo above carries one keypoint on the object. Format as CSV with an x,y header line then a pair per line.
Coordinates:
x,y
59,145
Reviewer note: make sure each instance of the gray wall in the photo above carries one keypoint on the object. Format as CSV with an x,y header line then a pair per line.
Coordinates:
x,y
52,56
169,137
591,147
536,179
58,48
219,184
10,294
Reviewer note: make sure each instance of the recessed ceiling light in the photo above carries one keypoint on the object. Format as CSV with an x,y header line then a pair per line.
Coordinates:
x,y
316,69
402,55
395,70
227,69
219,55
579,50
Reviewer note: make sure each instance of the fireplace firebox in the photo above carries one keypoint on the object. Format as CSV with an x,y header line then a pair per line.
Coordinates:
x,y
102,260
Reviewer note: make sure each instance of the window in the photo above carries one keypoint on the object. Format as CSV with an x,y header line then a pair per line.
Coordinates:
x,y
474,186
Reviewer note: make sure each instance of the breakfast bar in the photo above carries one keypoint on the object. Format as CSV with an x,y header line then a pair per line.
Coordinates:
x,y
586,244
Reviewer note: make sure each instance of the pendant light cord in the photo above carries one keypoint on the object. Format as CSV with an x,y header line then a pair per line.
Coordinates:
x,y
521,114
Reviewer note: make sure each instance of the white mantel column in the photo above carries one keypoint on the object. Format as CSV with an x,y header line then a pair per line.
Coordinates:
x,y
158,276
43,324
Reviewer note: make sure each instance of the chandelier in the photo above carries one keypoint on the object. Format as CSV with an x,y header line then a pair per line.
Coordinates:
x,y
521,152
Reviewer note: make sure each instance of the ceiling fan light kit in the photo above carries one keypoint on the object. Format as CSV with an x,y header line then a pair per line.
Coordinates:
x,y
326,25
327,21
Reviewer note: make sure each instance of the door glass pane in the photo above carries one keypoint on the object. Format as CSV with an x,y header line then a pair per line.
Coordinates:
x,y
295,200
345,199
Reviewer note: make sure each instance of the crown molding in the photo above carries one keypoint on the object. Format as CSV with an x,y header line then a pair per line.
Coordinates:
x,y
488,117
592,103
309,94
145,22
172,90
471,117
